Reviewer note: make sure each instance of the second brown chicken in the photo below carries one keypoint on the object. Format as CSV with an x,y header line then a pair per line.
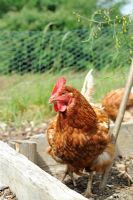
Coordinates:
x,y
111,103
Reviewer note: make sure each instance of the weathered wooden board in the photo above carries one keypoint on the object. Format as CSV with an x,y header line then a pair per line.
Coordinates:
x,y
25,147
125,139
124,143
28,181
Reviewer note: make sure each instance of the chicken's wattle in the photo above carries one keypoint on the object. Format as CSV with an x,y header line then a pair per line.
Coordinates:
x,y
58,106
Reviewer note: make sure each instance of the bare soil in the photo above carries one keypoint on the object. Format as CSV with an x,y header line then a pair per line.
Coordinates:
x,y
25,131
118,187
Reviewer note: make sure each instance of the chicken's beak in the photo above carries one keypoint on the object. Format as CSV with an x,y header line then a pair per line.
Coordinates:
x,y
51,99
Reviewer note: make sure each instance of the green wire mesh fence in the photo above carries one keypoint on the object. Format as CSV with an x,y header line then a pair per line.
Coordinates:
x,y
22,52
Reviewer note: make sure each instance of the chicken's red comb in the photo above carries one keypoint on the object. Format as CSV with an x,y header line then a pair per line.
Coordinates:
x,y
59,84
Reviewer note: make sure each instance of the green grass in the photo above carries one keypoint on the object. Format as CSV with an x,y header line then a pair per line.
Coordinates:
x,y
25,98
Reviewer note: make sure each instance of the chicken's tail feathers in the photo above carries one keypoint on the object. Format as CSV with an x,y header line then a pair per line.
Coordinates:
x,y
87,88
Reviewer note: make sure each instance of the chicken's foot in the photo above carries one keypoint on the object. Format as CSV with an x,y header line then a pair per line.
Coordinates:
x,y
88,191
104,178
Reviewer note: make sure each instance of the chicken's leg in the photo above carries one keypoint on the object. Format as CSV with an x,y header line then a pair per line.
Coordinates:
x,y
70,173
88,191
104,178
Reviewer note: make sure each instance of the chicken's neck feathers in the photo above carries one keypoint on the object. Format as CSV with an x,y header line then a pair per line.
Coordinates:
x,y
79,114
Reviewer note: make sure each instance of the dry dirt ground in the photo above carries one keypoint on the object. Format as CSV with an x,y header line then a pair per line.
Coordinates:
x,y
119,185
25,131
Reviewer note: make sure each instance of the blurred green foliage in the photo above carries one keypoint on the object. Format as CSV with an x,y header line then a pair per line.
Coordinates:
x,y
42,35
36,14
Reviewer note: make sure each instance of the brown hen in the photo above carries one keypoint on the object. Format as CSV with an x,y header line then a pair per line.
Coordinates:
x,y
111,103
78,136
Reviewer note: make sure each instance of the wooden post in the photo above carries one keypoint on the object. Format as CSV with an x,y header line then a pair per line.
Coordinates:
x,y
28,148
123,104
120,116
25,147
12,144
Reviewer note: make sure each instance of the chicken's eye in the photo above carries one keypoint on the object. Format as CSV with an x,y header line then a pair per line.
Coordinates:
x,y
71,94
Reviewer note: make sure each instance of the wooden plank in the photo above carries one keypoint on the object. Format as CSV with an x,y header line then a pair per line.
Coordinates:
x,y
28,149
12,144
124,141
28,181
25,147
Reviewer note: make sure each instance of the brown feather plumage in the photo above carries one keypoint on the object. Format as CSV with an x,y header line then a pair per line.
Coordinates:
x,y
111,103
78,136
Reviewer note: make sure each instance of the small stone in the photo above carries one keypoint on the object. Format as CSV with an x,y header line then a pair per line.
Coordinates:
x,y
3,187
28,137
115,196
111,197
23,133
32,124
120,167
7,192
1,193
110,186
29,134
29,129
44,126
5,134
3,126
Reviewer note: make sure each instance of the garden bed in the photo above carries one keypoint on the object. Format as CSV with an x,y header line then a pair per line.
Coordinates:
x,y
28,181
